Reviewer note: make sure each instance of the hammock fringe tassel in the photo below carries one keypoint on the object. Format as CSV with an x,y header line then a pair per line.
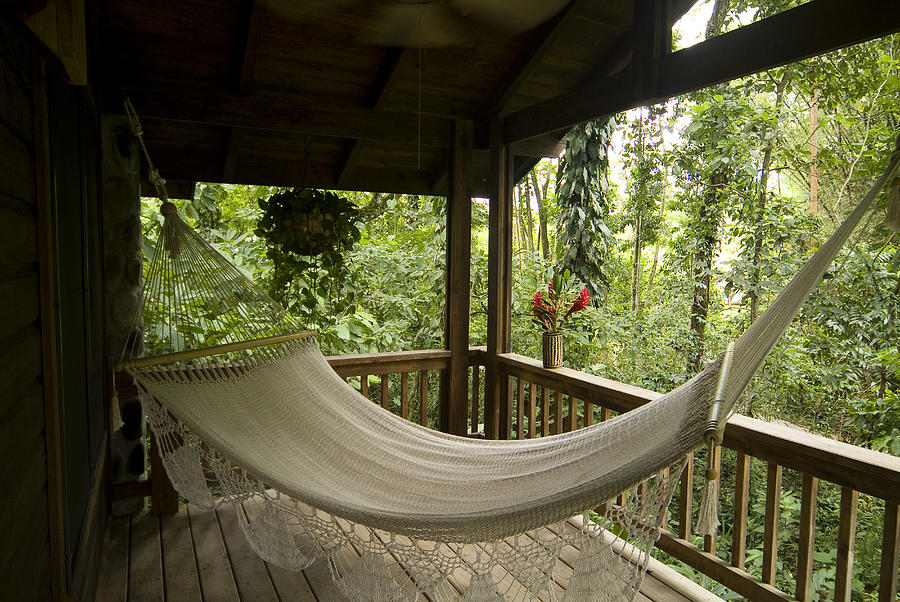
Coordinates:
x,y
708,520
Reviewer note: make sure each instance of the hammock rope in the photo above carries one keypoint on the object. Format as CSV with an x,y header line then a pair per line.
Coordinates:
x,y
315,470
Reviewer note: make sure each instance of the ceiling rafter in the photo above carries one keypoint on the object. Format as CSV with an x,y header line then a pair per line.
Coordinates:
x,y
387,73
269,111
539,43
808,30
246,65
250,46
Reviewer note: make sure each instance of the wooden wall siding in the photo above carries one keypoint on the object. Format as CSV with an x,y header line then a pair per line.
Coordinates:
x,y
24,518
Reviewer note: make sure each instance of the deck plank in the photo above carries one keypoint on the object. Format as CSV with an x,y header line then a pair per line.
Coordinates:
x,y
145,576
112,582
202,555
250,574
179,562
216,578
290,586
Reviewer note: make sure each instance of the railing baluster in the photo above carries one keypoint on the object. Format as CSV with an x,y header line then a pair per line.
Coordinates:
x,y
520,408
741,503
385,402
890,553
573,414
545,411
404,395
806,543
532,411
770,537
423,397
557,413
476,397
843,574
588,413
686,499
364,385
604,414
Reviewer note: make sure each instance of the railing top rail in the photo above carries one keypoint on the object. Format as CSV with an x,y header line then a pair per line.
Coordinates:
x,y
389,363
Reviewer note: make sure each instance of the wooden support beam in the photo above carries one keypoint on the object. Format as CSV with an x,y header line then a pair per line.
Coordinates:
x,y
539,43
652,40
176,189
247,58
454,395
811,29
277,112
232,152
496,397
387,73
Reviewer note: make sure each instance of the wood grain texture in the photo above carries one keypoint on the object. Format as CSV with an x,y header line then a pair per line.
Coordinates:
x,y
216,577
773,512
179,561
846,545
807,538
741,506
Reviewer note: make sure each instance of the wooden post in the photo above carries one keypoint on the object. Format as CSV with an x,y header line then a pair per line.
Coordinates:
x,y
653,39
496,396
455,392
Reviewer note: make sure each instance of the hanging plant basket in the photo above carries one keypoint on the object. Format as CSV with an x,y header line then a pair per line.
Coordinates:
x,y
308,221
552,347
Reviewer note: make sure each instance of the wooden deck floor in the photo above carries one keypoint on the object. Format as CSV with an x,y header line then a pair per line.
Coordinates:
x,y
202,555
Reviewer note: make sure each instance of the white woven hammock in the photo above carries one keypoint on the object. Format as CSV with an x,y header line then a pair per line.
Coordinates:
x,y
315,470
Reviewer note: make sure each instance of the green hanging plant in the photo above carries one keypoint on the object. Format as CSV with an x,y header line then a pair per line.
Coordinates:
x,y
308,221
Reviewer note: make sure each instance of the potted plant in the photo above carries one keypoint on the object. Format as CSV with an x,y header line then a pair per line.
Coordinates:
x,y
552,308
307,221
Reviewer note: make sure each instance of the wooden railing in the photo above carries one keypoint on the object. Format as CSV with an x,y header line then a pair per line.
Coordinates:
x,y
543,402
406,382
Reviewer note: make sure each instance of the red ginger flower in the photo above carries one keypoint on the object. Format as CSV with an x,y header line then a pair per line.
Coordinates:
x,y
584,297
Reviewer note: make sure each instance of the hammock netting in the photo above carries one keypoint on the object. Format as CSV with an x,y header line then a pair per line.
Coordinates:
x,y
316,471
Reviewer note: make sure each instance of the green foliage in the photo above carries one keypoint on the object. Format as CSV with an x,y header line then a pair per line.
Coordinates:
x,y
582,190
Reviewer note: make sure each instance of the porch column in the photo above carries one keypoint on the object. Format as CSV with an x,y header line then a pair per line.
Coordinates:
x,y
455,392
496,387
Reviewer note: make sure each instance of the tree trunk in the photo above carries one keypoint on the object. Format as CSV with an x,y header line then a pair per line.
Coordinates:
x,y
636,260
529,218
759,235
540,195
813,152
708,219
662,220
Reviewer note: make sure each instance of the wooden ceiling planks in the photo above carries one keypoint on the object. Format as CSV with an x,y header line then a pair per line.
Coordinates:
x,y
232,89
240,85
